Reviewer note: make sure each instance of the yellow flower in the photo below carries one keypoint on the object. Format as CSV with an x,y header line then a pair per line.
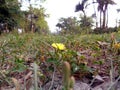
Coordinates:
x,y
117,45
59,46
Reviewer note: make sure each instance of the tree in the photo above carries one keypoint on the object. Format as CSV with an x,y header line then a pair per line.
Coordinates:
x,y
31,14
3,10
12,16
103,8
86,22
68,25
81,6
39,20
36,19
9,13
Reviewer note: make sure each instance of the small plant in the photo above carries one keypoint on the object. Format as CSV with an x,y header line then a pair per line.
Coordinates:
x,y
19,65
56,54
115,45
116,48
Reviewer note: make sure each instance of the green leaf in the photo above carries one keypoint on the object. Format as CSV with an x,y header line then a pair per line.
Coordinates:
x,y
53,60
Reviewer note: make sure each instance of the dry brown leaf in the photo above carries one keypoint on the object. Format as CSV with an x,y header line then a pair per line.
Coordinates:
x,y
28,75
16,83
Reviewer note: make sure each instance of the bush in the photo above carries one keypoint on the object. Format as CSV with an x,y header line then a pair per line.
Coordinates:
x,y
105,30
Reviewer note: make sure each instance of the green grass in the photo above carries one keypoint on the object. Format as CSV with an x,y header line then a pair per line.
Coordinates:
x,y
17,52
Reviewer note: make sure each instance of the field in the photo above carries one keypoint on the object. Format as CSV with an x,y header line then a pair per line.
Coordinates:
x,y
30,61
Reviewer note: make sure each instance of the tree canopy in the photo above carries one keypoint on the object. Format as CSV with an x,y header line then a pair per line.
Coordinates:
x,y
13,17
10,12
74,25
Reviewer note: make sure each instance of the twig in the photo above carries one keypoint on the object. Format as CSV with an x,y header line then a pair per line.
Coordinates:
x,y
112,71
113,83
92,82
53,76
26,77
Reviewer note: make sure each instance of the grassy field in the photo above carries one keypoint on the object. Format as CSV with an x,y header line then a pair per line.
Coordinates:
x,y
20,54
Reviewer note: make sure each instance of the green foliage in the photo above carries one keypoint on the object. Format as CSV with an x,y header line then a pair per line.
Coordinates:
x,y
86,22
40,22
68,25
10,13
34,20
19,65
105,30
73,25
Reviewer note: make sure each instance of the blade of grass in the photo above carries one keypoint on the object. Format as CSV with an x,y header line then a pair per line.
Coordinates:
x,y
35,76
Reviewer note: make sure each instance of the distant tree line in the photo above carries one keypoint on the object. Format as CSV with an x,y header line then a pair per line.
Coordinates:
x,y
74,25
86,23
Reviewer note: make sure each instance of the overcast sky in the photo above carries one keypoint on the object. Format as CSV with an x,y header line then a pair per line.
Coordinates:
x,y
66,8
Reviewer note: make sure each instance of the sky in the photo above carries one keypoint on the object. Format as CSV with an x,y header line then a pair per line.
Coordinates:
x,y
66,8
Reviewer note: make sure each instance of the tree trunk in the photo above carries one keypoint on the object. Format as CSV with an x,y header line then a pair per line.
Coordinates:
x,y
104,16
104,19
107,19
84,14
100,19
95,15
106,8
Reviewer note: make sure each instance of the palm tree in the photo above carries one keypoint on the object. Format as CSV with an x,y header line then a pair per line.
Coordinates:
x,y
100,9
103,9
81,6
